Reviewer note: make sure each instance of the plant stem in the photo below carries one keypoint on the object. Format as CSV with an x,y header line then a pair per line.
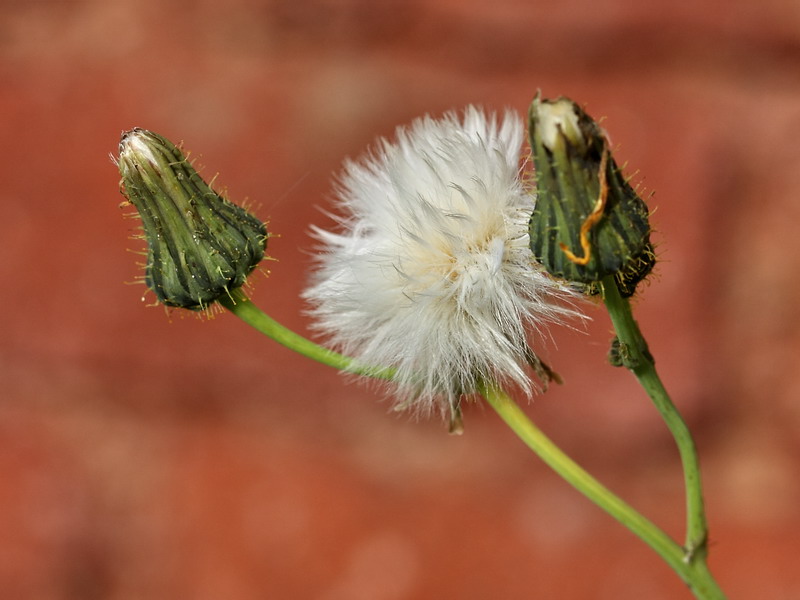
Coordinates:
x,y
695,573
576,476
243,307
637,358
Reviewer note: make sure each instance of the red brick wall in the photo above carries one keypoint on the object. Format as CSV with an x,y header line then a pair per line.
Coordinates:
x,y
152,456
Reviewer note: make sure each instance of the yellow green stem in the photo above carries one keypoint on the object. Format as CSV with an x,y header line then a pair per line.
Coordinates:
x,y
241,306
694,573
636,357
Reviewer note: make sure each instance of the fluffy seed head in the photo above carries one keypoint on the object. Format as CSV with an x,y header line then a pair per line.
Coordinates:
x,y
430,270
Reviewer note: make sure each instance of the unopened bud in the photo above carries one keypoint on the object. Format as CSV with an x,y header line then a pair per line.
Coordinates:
x,y
199,245
588,222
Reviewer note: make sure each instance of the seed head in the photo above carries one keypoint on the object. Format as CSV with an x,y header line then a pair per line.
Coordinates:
x,y
430,270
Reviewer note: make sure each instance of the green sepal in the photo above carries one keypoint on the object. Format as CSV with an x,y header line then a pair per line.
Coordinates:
x,y
568,148
199,245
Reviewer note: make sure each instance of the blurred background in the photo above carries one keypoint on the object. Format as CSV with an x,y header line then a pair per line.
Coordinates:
x,y
146,454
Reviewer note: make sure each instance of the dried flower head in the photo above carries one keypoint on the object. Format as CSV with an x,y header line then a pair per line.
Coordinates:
x,y
431,270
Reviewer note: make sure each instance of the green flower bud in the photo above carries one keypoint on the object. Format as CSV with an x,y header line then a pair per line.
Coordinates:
x,y
588,222
199,245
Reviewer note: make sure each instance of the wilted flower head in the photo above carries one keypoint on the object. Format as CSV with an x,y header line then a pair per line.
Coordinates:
x,y
589,223
431,272
200,246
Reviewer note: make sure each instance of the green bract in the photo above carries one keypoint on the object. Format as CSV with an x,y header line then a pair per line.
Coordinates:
x,y
199,245
588,222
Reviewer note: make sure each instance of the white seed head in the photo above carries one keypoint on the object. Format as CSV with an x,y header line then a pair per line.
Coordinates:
x,y
430,271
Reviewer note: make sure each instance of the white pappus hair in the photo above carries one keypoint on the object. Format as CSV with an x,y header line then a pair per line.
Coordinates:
x,y
431,271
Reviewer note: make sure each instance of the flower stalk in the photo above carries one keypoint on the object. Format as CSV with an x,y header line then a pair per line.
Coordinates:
x,y
689,561
692,569
635,356
244,308
693,572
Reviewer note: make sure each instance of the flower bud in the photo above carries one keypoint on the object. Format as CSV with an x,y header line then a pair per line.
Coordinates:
x,y
588,222
199,245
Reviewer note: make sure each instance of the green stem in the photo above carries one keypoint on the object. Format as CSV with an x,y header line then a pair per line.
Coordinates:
x,y
573,474
694,573
636,357
242,307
